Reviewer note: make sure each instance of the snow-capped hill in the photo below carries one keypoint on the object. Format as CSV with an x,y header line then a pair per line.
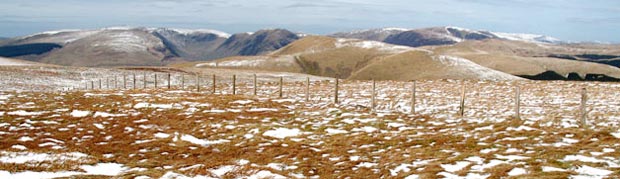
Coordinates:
x,y
370,34
387,30
367,44
196,31
127,41
534,38
53,32
449,28
57,36
439,36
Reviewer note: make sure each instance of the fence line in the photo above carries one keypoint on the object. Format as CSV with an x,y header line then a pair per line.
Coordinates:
x,y
254,90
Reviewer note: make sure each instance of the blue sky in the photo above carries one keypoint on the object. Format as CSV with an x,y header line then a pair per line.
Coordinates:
x,y
574,20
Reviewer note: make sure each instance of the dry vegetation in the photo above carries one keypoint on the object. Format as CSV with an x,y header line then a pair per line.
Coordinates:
x,y
168,133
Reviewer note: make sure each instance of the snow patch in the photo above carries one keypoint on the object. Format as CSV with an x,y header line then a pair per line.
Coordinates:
x,y
365,44
517,171
202,142
473,68
29,157
106,169
199,31
282,133
78,113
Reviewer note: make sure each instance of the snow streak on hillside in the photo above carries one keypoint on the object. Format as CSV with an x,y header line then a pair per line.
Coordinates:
x,y
473,68
366,44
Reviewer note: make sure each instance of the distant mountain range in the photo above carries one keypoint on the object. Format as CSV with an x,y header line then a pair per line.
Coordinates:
x,y
451,52
438,36
140,46
123,46
491,59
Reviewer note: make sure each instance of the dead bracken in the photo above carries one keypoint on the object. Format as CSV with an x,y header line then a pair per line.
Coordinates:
x,y
156,133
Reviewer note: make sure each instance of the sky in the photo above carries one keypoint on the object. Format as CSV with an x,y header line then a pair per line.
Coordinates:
x,y
571,20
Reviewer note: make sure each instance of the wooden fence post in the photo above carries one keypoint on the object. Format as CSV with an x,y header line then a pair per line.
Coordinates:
x,y
517,102
336,92
169,80
234,84
92,85
462,106
307,89
413,90
134,81
99,83
255,85
582,107
144,80
124,81
155,80
373,97
182,81
197,82
281,83
214,85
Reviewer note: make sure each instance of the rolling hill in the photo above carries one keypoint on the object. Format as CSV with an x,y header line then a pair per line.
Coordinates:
x,y
359,59
388,53
489,59
438,36
121,46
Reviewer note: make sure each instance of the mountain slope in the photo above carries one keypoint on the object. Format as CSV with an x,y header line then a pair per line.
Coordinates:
x,y
371,34
359,59
522,58
192,44
438,36
111,48
122,46
257,43
488,59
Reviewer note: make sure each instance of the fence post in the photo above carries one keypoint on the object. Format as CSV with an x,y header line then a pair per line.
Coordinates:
x,y
197,82
517,102
336,92
234,84
373,97
144,80
214,84
169,80
86,85
462,106
155,80
107,82
584,99
134,81
124,81
182,81
99,83
413,90
92,85
280,91
255,85
307,89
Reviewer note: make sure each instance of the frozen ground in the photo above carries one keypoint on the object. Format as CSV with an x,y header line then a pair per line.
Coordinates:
x,y
180,133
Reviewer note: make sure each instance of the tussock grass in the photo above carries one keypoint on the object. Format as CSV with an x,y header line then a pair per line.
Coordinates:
x,y
373,145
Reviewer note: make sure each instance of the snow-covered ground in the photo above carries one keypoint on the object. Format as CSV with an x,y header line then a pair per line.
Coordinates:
x,y
367,44
13,62
181,133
